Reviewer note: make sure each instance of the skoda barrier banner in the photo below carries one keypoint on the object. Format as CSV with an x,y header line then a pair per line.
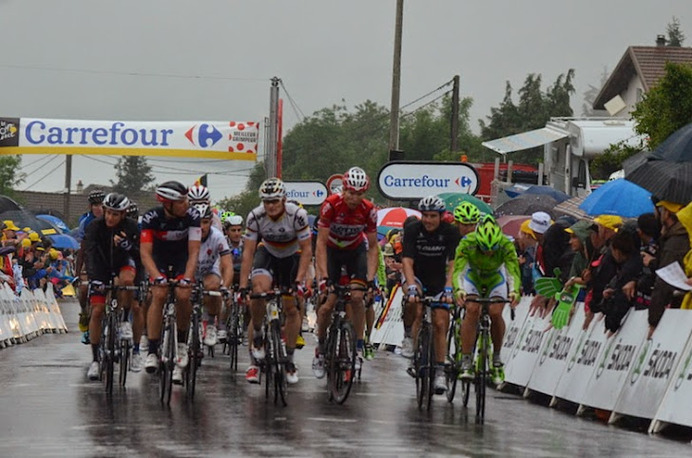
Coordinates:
x,y
676,404
198,139
525,354
404,180
306,192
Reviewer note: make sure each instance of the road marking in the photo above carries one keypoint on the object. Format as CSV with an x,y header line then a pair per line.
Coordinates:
x,y
332,420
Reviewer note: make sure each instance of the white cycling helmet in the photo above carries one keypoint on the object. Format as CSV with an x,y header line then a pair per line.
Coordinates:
x,y
355,179
431,204
198,193
272,188
235,220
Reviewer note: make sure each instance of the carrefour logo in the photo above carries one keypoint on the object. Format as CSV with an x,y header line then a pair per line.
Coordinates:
x,y
463,182
318,193
205,135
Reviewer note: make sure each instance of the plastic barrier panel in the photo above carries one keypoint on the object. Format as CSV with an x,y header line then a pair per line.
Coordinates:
x,y
616,361
518,370
655,366
675,407
582,362
389,328
55,309
513,327
555,353
5,328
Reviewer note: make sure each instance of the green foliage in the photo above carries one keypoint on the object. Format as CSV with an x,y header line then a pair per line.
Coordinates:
x,y
10,176
248,199
534,109
611,160
667,107
675,35
133,174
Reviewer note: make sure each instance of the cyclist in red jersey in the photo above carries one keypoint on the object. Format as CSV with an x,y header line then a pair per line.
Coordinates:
x,y
347,221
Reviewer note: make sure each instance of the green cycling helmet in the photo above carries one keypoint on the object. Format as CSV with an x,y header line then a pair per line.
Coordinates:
x,y
467,213
225,215
488,235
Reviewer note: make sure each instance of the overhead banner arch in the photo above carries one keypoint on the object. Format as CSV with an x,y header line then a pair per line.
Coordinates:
x,y
196,139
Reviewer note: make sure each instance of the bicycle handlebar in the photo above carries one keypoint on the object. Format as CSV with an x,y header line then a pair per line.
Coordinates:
x,y
272,294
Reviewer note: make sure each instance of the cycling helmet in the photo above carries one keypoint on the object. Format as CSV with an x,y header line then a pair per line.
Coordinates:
x,y
488,236
235,220
133,210
198,193
116,202
355,179
96,196
272,188
171,191
223,216
431,204
487,218
467,213
203,208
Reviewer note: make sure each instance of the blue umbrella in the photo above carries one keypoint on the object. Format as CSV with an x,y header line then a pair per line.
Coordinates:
x,y
55,221
64,241
618,197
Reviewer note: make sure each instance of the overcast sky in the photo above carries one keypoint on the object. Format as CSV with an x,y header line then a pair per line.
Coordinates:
x,y
212,59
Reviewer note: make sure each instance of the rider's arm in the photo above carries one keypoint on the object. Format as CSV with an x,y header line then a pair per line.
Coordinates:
x,y
90,250
373,255
321,253
511,262
146,248
194,240
460,263
407,269
226,270
305,258
249,248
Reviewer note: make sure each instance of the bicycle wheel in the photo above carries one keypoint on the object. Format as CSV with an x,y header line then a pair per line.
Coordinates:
x,y
481,377
233,339
452,369
194,350
420,365
110,352
124,360
166,365
343,361
266,365
330,350
430,368
279,364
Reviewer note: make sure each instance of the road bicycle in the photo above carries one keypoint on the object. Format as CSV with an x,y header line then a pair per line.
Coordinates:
x,y
235,331
340,347
273,367
194,338
168,350
424,356
453,365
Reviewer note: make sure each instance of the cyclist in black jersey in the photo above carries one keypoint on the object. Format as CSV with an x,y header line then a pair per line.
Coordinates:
x,y
428,263
171,236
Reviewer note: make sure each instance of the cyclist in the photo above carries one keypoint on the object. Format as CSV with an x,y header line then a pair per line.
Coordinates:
x,y
215,271
478,266
233,228
466,216
111,249
346,221
95,200
281,260
170,238
428,262
199,198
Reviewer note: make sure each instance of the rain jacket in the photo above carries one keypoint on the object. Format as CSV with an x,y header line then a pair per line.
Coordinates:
x,y
685,218
675,243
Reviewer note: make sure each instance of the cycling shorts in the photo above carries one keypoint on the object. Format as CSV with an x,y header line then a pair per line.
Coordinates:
x,y
495,284
437,295
104,276
282,271
175,268
355,261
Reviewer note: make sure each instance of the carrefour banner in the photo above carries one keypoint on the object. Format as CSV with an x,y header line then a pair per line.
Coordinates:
x,y
198,139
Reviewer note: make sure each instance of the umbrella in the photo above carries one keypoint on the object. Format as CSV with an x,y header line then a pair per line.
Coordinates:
x,y
453,199
666,180
516,190
521,189
618,197
676,148
511,224
570,207
55,221
64,241
527,204
23,218
394,217
7,204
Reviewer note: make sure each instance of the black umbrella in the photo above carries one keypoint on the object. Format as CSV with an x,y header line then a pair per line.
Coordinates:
x,y
677,147
527,204
23,218
666,180
7,204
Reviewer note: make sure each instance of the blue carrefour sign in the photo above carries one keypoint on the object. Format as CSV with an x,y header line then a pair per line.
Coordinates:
x,y
416,179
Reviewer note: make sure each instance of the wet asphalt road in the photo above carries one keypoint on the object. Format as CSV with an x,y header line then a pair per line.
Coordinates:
x,y
49,408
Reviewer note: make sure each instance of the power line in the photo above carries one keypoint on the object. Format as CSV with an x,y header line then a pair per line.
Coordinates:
x,y
179,171
429,93
40,158
45,159
50,172
294,105
426,104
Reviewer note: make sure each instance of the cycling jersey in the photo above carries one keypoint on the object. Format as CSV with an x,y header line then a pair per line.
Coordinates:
x,y
237,254
431,252
281,237
102,257
84,221
483,269
347,228
210,252
170,236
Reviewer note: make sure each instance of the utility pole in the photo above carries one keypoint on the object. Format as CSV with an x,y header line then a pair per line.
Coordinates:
x,y
396,80
454,147
68,185
270,159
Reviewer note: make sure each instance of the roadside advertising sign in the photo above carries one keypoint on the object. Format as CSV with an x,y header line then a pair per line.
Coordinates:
x,y
334,183
525,353
306,192
409,180
198,139
676,404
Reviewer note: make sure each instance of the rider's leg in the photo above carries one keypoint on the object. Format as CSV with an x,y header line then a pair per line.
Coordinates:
x,y
98,303
497,329
469,325
158,297
258,307
440,327
183,308
358,316
324,315
212,304
293,321
369,318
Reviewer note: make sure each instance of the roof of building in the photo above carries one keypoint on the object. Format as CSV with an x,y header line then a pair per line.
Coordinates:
x,y
647,62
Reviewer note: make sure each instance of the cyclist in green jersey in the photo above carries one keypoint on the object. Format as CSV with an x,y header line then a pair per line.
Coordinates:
x,y
478,266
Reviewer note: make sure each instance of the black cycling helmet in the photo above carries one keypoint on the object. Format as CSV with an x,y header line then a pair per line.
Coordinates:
x,y
171,191
96,196
116,202
133,210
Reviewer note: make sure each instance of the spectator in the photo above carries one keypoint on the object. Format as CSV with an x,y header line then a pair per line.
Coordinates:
x,y
628,266
640,290
393,268
9,233
674,245
685,218
526,247
581,245
556,249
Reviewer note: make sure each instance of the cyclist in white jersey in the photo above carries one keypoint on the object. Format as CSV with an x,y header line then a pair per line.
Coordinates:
x,y
281,260
215,271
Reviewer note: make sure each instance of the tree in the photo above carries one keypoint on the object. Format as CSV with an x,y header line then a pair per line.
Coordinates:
x,y
9,174
133,174
666,107
675,35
